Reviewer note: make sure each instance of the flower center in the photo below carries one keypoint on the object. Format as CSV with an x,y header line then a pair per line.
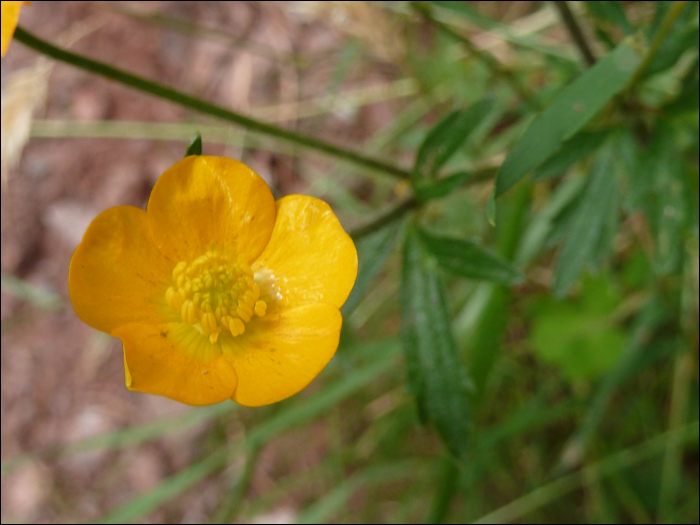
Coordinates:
x,y
215,292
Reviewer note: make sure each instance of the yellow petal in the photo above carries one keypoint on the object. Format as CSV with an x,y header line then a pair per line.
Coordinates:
x,y
117,276
310,255
283,353
10,16
127,374
176,361
210,201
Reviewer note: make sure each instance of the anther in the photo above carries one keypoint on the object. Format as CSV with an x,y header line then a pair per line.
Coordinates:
x,y
260,308
215,293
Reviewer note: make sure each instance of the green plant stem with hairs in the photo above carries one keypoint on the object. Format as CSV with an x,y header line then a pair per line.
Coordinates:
x,y
190,102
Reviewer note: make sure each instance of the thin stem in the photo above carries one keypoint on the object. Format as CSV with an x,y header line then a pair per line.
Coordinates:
x,y
671,472
384,219
446,487
478,176
231,502
202,106
670,19
487,59
575,31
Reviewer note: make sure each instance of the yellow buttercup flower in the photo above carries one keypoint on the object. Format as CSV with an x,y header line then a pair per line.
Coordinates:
x,y
216,290
10,16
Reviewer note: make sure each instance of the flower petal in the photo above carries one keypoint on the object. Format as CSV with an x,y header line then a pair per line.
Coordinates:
x,y
176,361
204,201
10,16
117,276
311,257
283,352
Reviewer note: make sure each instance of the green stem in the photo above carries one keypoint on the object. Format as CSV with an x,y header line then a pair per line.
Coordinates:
x,y
234,496
670,19
575,31
478,176
487,59
196,104
446,487
672,470
383,219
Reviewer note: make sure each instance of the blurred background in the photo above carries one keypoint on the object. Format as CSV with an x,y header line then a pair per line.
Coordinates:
x,y
580,400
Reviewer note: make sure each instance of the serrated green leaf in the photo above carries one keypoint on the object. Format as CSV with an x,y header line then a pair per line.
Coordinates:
x,y
581,245
468,259
437,376
573,108
572,151
444,140
373,251
195,147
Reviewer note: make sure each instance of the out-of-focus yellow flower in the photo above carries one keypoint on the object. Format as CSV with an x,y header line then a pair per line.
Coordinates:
x,y
216,290
10,16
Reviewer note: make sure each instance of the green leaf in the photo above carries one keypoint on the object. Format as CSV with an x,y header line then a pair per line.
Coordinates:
x,y
641,351
542,224
572,151
479,329
580,337
491,209
672,215
373,252
443,187
581,245
671,49
195,147
444,140
437,376
572,109
688,99
468,259
659,186
611,12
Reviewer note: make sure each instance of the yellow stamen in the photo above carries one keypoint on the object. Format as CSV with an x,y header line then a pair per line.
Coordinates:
x,y
236,326
260,308
215,292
